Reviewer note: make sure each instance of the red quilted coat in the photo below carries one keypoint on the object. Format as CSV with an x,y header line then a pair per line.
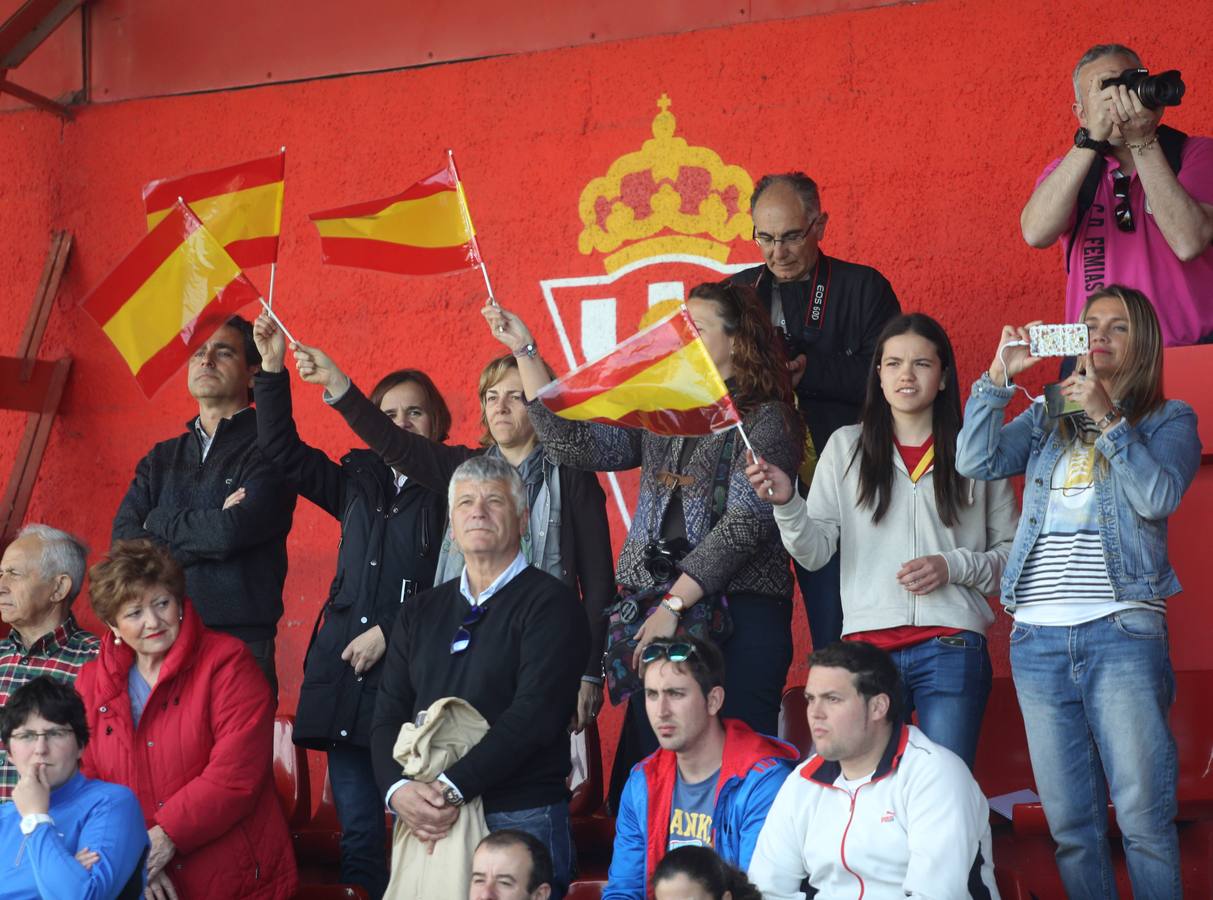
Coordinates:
x,y
199,762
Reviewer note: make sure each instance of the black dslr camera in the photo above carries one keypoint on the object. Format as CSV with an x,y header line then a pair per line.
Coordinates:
x,y
661,558
1164,89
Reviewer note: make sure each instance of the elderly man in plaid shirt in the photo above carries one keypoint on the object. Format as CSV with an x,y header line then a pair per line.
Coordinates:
x,y
41,573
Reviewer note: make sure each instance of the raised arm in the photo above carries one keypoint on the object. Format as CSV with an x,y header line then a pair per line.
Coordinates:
x,y
429,463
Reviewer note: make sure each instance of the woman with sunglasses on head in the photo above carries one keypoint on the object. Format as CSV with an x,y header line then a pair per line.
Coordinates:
x,y
698,530
1087,582
921,545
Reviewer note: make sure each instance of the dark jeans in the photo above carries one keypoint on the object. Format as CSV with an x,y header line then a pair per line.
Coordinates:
x,y
361,812
756,661
263,653
550,825
947,680
822,592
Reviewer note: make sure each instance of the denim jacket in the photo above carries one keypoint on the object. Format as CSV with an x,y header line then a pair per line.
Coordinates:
x,y
1150,466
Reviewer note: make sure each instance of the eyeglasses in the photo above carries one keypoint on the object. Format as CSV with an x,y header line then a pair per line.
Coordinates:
x,y
1123,213
463,637
789,238
30,738
678,651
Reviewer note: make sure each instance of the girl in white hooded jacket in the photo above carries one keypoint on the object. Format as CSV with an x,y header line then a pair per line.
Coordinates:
x,y
920,545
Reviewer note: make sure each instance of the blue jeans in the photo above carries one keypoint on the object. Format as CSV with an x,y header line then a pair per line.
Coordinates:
x,y
360,810
1095,699
822,592
948,681
550,825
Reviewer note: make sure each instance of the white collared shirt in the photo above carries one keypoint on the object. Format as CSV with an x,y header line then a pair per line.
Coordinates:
x,y
511,572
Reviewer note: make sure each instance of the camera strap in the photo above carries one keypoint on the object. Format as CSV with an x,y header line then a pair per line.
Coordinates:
x,y
815,306
1172,142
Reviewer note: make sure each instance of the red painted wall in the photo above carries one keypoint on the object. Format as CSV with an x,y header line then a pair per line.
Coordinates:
x,y
925,125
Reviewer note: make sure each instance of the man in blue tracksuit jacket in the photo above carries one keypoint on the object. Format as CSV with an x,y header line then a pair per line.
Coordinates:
x,y
710,784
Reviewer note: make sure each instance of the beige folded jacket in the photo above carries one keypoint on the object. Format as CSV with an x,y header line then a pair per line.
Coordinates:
x,y
451,728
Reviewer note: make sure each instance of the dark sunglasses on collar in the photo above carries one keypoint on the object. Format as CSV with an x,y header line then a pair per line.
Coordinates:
x,y
1120,188
463,637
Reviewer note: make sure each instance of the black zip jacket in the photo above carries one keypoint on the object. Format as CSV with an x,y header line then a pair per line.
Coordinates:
x,y
859,303
234,559
389,547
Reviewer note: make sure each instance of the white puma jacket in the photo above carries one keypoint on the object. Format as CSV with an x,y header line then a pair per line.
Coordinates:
x,y
920,828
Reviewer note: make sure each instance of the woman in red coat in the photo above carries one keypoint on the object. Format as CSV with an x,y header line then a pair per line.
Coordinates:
x,y
182,716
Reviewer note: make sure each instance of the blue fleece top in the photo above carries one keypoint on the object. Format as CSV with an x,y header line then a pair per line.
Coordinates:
x,y
98,815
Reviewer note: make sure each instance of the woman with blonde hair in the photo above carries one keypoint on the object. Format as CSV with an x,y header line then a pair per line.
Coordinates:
x,y
1087,582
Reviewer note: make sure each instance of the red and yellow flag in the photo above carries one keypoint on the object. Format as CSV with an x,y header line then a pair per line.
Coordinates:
x,y
661,379
170,294
240,205
424,231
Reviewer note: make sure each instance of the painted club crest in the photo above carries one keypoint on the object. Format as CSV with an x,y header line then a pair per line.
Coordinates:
x,y
663,218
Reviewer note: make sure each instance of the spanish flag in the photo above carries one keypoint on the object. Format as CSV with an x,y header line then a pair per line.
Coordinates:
x,y
424,231
240,205
661,379
174,290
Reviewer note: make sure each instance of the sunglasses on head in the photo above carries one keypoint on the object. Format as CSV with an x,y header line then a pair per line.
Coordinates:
x,y
463,637
1120,188
674,651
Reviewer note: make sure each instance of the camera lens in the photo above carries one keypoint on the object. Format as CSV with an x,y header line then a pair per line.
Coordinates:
x,y
1163,89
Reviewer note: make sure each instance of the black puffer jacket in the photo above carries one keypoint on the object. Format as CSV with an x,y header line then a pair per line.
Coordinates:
x,y
389,548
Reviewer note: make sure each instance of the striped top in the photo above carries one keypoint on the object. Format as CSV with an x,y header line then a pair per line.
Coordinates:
x,y
1065,578
59,654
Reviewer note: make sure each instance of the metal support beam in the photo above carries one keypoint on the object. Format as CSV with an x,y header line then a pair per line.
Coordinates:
x,y
34,386
32,98
29,26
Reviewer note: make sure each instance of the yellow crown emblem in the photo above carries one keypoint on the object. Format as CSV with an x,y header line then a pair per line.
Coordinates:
x,y
664,198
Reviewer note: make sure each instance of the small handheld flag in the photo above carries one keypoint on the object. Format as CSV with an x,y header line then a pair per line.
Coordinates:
x,y
240,205
168,296
425,230
661,379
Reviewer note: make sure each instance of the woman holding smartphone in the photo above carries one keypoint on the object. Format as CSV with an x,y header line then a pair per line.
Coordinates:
x,y
921,545
1087,581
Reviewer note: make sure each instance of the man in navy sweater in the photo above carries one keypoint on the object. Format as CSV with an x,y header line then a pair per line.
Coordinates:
x,y
512,641
216,502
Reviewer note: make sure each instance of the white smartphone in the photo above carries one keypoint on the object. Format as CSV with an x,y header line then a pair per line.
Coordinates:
x,y
1058,340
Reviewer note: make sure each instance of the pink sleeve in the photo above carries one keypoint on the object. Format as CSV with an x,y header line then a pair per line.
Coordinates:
x,y
1196,173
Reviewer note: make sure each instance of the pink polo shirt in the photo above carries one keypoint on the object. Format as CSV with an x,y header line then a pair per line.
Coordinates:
x,y
1182,292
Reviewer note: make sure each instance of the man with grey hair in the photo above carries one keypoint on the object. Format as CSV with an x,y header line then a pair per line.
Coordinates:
x,y
510,640
41,573
1131,200
829,313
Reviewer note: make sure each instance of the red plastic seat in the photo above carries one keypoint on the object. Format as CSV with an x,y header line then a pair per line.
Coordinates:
x,y
587,798
318,842
794,722
586,889
290,773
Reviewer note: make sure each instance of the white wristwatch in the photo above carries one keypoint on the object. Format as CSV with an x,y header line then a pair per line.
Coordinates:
x,y
33,820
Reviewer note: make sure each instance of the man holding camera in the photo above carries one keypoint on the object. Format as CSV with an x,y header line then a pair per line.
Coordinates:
x,y
829,314
1132,200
